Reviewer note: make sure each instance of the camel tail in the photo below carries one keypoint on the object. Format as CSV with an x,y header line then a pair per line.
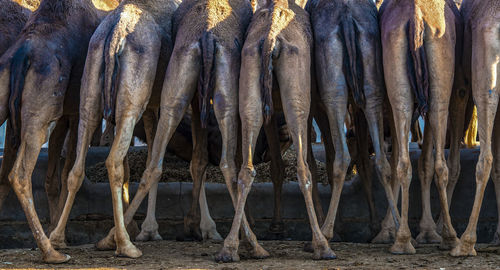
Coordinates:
x,y
19,67
113,47
418,73
353,62
267,78
206,80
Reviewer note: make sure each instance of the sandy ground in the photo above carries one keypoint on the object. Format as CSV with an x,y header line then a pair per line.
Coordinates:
x,y
284,255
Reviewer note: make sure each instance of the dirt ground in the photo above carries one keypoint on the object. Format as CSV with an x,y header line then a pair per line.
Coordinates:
x,y
284,255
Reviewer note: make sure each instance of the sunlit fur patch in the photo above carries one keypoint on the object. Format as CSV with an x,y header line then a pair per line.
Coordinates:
x,y
433,13
105,5
217,11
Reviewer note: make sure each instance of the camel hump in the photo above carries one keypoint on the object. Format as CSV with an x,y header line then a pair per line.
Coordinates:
x,y
353,60
206,81
418,73
18,68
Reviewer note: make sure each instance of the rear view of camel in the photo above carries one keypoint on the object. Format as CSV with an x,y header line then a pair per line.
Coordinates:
x,y
482,49
204,66
123,71
40,77
418,41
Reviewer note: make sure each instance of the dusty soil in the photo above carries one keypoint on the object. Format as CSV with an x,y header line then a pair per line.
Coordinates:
x,y
177,170
284,255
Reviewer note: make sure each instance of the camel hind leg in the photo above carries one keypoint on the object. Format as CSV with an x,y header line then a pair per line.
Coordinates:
x,y
178,89
9,157
495,174
149,228
32,137
486,91
90,117
226,112
295,88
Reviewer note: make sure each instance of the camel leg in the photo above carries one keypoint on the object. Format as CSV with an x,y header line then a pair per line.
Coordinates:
x,y
33,136
363,164
441,83
70,146
388,230
149,228
9,157
52,183
207,224
334,93
90,117
427,226
226,112
401,99
198,166
485,90
277,173
295,95
495,174
178,89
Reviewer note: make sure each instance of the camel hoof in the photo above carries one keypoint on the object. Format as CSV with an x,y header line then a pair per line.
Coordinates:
x,y
429,237
212,235
325,253
144,236
57,241
128,250
463,249
54,256
400,248
277,227
449,243
107,243
260,253
496,240
385,236
227,255
308,247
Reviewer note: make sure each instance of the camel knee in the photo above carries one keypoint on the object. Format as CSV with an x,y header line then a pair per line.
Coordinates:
x,y
483,166
340,166
115,172
19,183
149,177
442,173
403,170
305,183
75,179
245,178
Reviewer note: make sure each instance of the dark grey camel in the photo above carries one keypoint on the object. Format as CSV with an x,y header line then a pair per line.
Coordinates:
x,y
43,70
348,64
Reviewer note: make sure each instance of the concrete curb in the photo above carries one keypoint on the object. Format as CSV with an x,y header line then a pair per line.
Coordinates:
x,y
91,216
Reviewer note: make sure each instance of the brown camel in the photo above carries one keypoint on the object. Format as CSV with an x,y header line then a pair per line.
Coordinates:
x,y
482,53
279,41
43,69
124,69
13,16
418,41
348,73
204,66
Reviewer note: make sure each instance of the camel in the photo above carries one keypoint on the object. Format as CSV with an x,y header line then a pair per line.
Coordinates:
x,y
13,16
348,73
279,41
44,69
418,42
481,57
136,42
207,52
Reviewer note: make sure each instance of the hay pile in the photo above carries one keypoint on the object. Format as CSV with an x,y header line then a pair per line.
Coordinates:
x,y
177,170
